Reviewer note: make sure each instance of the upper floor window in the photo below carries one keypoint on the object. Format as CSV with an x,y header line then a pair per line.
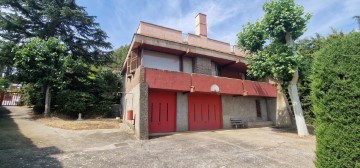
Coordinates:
x,y
158,60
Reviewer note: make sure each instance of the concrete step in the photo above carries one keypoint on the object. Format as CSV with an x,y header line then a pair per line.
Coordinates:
x,y
253,124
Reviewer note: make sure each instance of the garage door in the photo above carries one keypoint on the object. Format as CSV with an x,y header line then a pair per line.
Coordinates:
x,y
204,112
161,111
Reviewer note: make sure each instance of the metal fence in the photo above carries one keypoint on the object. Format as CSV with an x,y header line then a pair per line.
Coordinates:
x,y
10,98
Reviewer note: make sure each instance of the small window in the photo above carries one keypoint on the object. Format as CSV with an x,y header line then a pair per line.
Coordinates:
x,y
258,109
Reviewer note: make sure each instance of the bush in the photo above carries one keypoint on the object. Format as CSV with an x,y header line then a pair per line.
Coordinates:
x,y
4,83
335,95
71,102
30,94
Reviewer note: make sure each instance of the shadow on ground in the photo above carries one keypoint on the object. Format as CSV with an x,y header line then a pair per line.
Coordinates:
x,y
16,150
293,130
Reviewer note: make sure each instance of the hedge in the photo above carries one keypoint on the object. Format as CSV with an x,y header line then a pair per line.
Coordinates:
x,y
335,96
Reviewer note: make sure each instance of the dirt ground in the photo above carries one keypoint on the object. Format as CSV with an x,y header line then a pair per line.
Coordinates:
x,y
87,124
27,143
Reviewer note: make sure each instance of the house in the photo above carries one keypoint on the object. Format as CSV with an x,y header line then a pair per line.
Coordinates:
x,y
186,82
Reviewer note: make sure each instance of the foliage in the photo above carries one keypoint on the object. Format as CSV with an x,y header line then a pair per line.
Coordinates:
x,y
42,62
83,49
52,18
336,101
70,102
30,94
118,57
252,37
6,57
93,100
283,22
4,84
276,60
106,86
306,48
284,16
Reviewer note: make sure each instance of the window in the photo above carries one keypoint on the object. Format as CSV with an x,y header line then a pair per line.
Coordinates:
x,y
158,60
258,109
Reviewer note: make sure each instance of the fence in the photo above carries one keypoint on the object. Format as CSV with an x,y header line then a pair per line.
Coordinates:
x,y
10,98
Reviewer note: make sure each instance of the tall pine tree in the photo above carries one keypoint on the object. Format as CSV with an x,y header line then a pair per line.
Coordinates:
x,y
64,19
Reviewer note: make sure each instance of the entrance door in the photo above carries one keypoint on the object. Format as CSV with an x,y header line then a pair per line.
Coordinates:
x,y
161,111
204,112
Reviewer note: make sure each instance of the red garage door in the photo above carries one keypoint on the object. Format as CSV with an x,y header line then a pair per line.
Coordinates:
x,y
161,111
204,112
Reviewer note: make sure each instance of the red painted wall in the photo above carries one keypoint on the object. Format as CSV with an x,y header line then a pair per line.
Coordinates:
x,y
178,81
259,89
203,83
168,80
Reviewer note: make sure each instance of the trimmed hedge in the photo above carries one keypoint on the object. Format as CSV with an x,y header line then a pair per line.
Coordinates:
x,y
335,94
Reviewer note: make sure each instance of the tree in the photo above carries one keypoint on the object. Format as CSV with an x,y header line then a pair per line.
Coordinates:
x,y
62,19
43,63
6,57
335,96
118,56
283,22
307,49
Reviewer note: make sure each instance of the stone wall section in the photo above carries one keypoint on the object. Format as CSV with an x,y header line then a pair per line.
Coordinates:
x,y
202,65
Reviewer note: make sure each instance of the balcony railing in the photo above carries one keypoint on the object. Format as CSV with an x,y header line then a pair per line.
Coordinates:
x,y
152,30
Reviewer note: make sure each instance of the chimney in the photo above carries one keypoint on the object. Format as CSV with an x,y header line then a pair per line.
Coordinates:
x,y
200,23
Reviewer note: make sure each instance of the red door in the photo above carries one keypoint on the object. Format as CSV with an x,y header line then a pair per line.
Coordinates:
x,y
161,111
204,112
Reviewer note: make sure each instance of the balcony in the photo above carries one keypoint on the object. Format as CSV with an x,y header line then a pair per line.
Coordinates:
x,y
184,82
165,33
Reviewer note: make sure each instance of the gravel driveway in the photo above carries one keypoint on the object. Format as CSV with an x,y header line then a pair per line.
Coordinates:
x,y
25,143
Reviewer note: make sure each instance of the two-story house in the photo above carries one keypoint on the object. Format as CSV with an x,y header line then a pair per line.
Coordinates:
x,y
186,82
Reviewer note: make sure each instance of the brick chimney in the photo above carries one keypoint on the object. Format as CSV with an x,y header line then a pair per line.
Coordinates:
x,y
200,23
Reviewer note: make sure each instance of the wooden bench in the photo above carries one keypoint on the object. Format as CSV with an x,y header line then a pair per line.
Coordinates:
x,y
237,122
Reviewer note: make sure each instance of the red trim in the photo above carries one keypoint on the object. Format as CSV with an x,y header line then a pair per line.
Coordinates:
x,y
178,81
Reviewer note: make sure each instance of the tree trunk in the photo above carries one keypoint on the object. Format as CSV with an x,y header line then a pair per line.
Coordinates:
x,y
294,96
296,104
47,101
283,116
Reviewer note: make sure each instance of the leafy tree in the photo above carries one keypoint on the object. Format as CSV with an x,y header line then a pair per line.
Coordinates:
x,y
307,48
283,22
62,19
4,84
119,55
335,95
6,57
42,63
252,36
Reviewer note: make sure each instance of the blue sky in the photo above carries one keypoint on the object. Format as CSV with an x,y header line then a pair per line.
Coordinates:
x,y
225,18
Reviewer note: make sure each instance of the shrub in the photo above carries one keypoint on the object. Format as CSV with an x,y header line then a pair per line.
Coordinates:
x,y
4,83
30,94
71,102
335,95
